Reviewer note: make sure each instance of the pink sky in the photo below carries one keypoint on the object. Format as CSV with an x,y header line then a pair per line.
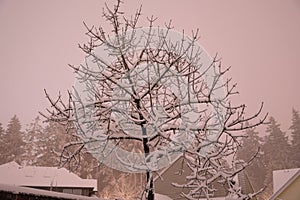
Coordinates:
x,y
259,39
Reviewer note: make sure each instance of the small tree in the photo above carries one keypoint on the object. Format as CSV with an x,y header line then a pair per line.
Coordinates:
x,y
157,88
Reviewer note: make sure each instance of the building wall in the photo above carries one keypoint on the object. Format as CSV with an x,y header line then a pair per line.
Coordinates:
x,y
292,192
76,191
8,195
164,186
11,196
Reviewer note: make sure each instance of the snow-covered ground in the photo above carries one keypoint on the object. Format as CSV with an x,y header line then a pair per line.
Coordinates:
x,y
162,197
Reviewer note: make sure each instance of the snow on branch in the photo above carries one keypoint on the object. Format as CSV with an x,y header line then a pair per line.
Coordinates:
x,y
160,89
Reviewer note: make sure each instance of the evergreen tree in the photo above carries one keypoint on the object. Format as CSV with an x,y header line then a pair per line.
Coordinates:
x,y
1,131
2,145
51,144
13,141
35,142
249,148
295,132
277,152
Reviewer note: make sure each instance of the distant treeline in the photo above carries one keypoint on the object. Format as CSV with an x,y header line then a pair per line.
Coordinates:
x,y
41,144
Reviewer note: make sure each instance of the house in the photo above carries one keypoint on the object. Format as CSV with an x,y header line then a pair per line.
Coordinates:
x,y
163,183
286,184
46,178
13,192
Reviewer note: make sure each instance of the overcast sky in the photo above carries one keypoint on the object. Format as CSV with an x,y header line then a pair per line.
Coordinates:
x,y
259,39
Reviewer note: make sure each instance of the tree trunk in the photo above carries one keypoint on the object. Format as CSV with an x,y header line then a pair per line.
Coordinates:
x,y
150,194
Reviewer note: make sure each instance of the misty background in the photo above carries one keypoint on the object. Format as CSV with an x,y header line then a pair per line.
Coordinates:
x,y
259,39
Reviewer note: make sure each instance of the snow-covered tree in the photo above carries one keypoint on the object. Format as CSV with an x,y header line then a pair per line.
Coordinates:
x,y
295,132
160,89
2,145
277,152
1,130
34,142
126,186
13,141
250,145
276,147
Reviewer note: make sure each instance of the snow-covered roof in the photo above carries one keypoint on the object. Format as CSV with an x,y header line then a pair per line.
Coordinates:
x,y
25,190
32,176
280,177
